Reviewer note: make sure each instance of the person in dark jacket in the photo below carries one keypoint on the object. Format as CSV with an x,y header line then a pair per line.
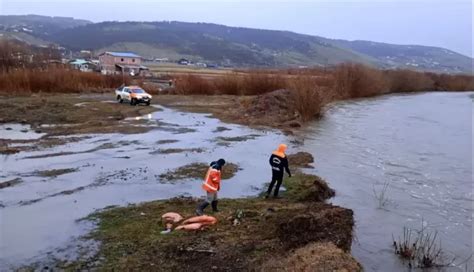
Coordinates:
x,y
279,163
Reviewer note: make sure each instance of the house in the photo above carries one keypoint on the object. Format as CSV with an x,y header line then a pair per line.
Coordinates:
x,y
83,65
121,62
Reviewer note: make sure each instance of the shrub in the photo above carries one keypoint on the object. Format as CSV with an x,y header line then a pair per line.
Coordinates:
x,y
357,80
409,81
193,85
421,248
309,97
445,82
259,83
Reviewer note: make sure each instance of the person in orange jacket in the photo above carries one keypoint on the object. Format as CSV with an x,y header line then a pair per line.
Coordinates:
x,y
279,163
211,184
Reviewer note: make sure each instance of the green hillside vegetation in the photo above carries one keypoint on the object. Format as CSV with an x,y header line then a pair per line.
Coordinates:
x,y
147,50
211,42
233,46
411,56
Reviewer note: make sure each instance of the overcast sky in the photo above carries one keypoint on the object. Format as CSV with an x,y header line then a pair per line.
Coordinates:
x,y
444,23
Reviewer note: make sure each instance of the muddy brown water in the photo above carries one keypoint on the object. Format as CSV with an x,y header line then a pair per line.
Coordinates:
x,y
419,144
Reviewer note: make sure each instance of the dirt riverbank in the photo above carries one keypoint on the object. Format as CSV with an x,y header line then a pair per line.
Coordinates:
x,y
251,234
54,116
272,110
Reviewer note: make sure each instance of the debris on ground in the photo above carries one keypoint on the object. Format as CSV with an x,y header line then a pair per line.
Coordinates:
x,y
130,241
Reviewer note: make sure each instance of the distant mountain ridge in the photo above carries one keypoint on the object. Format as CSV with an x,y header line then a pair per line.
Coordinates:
x,y
234,46
40,25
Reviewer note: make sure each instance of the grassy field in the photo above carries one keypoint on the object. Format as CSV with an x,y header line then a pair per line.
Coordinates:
x,y
161,69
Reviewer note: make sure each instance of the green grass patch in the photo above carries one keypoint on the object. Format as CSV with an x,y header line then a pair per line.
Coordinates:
x,y
197,171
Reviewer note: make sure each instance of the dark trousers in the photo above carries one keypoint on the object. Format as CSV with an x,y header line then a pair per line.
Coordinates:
x,y
277,176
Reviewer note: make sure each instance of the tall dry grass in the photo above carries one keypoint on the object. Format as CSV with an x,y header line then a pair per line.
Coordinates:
x,y
309,96
356,80
312,89
232,84
409,81
443,82
256,84
56,80
193,85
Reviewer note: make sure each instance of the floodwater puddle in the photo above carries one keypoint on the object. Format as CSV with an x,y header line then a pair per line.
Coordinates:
x,y
117,169
18,132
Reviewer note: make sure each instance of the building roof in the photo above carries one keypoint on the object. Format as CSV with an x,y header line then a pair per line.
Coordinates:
x,y
79,62
122,54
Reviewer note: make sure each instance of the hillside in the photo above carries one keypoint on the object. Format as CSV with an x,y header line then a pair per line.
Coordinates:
x,y
35,29
234,46
411,56
210,42
42,26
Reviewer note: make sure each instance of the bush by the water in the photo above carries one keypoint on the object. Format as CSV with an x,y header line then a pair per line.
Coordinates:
x,y
232,84
312,89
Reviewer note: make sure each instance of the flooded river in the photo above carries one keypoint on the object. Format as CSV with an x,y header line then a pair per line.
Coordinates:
x,y
419,144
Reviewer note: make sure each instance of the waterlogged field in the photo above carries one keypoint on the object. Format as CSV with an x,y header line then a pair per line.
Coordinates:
x,y
40,212
420,145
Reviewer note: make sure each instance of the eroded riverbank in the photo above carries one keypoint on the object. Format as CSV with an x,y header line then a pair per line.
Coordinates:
x,y
131,240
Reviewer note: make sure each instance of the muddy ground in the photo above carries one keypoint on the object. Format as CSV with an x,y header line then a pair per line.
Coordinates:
x,y
274,110
100,113
62,115
252,234
57,115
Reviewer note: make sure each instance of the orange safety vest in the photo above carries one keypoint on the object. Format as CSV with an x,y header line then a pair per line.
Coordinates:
x,y
212,181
